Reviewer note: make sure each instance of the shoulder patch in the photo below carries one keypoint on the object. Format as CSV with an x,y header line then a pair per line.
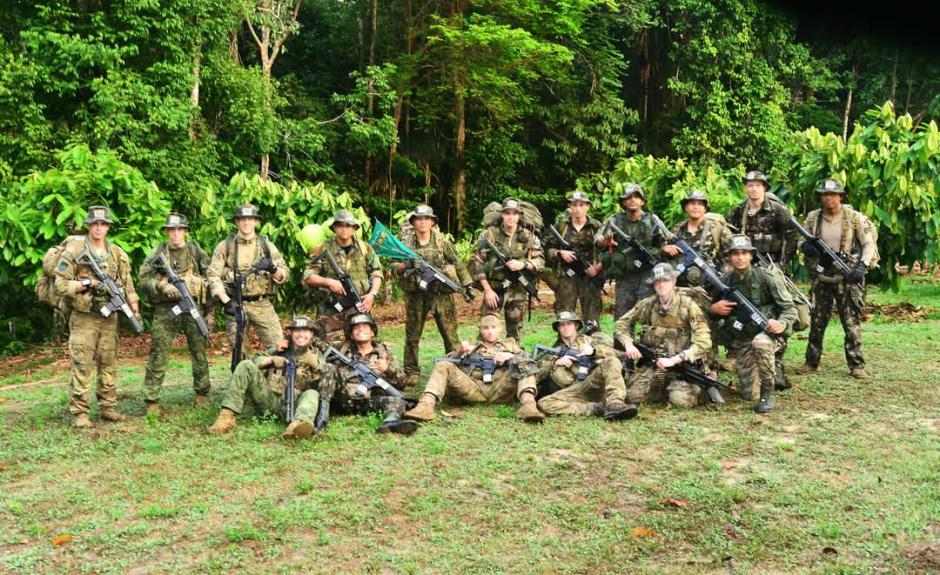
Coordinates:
x,y
63,266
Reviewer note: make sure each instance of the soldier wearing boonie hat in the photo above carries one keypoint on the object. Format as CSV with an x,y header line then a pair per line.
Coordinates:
x,y
572,281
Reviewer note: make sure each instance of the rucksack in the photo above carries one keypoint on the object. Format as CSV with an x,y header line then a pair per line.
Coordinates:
x,y
804,316
45,285
531,216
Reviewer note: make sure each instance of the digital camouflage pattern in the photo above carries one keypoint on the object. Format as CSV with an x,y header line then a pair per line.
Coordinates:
x,y
710,240
571,290
603,384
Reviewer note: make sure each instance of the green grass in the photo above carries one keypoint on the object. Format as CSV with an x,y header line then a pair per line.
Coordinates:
x,y
840,479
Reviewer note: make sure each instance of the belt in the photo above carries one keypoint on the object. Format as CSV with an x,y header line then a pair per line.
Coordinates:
x,y
254,298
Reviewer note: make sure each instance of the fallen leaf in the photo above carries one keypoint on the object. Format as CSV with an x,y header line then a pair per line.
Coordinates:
x,y
729,465
677,502
731,532
642,532
61,539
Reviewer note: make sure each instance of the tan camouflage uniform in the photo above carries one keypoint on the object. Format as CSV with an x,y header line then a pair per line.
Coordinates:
x,y
603,384
345,399
448,379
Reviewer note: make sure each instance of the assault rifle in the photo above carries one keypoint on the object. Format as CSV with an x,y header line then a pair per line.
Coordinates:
x,y
290,374
187,303
645,258
117,297
238,287
526,279
827,257
585,362
685,371
368,378
352,298
580,265
427,274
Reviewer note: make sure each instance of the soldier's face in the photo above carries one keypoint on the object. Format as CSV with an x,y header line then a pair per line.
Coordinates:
x,y
634,203
740,260
695,209
755,190
579,209
567,329
422,223
176,237
510,218
98,230
301,337
489,333
246,225
831,201
362,333
344,231
664,287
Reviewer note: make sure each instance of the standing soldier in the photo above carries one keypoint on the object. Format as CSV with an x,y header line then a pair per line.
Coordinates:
x,y
754,349
845,231
362,345
190,263
707,233
354,258
263,380
524,252
600,392
673,324
764,219
573,281
627,264
93,338
500,385
255,262
428,242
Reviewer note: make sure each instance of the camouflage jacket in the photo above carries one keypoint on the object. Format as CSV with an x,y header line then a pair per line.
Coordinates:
x,y
856,242
69,274
221,271
766,289
440,253
709,240
620,262
682,328
482,349
189,262
769,228
393,373
524,246
312,371
565,376
358,260
583,241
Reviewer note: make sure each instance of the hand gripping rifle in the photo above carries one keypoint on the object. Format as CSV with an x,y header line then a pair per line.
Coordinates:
x,y
578,267
117,297
685,371
187,303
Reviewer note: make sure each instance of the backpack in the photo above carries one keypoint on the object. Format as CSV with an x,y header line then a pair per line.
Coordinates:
x,y
45,285
531,216
804,316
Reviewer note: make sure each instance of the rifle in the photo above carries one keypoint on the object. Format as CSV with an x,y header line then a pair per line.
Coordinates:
x,y
368,378
684,371
690,257
486,364
526,279
428,274
764,260
187,303
578,267
352,298
644,256
585,362
827,257
290,374
117,299
237,287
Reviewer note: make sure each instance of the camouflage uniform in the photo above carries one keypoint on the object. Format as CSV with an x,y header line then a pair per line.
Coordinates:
x,y
682,329
604,384
524,246
259,287
633,282
830,286
436,300
345,400
709,240
190,262
449,379
568,290
93,339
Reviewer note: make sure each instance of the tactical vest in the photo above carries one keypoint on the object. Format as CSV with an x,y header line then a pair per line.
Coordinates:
x,y
258,283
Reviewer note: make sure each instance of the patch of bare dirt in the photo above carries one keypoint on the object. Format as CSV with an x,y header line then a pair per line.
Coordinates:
x,y
924,557
905,312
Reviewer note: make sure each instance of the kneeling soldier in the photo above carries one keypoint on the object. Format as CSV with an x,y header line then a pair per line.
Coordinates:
x,y
363,346
674,325
494,375
590,376
265,381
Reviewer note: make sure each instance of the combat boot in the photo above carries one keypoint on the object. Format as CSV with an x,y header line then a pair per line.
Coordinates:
x,y
598,409
807,369
617,409
424,411
397,425
412,379
781,381
858,373
529,410
224,423
153,409
201,401
82,422
111,414
766,402
298,429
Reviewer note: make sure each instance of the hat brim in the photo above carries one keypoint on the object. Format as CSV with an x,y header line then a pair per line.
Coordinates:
x,y
821,191
559,321
353,224
414,215
684,201
251,216
98,220
582,200
175,226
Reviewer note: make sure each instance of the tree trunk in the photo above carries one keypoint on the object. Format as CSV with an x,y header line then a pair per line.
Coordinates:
x,y
194,91
460,174
848,105
370,96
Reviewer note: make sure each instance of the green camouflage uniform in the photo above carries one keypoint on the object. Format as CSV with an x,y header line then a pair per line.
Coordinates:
x,y
190,263
265,387
709,240
524,246
830,286
568,290
633,282
436,300
449,379
345,400
754,349
259,287
603,384
358,260
93,339
680,329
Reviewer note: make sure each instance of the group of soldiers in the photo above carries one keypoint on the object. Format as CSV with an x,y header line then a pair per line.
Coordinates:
x,y
678,294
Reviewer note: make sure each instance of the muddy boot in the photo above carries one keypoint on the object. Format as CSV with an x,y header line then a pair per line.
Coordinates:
x,y
82,422
153,409
201,401
616,409
111,414
807,369
224,423
781,381
766,402
397,425
858,373
424,411
298,429
529,410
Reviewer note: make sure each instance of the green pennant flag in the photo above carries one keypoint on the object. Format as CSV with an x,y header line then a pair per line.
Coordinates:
x,y
387,245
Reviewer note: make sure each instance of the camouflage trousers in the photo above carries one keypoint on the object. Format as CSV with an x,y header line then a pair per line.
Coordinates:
x,y
249,381
651,385
754,363
630,289
262,316
417,307
513,304
569,290
448,380
849,299
604,384
162,331
93,342
346,402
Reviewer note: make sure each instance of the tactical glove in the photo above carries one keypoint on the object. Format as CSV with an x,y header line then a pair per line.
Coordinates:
x,y
231,307
809,250
858,273
266,265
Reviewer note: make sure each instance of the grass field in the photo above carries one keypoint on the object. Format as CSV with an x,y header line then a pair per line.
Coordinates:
x,y
842,478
